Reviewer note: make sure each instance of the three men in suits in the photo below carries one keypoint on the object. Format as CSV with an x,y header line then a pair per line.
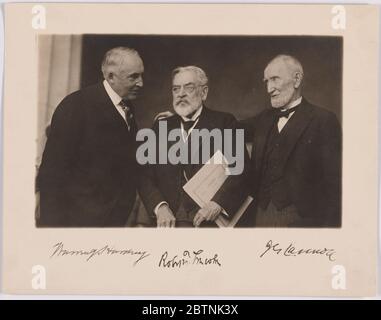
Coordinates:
x,y
88,175
295,169
162,184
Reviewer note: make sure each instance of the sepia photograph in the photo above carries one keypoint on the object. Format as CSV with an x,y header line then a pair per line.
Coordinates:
x,y
225,150
99,93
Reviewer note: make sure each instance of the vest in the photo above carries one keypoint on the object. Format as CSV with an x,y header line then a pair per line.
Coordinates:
x,y
271,186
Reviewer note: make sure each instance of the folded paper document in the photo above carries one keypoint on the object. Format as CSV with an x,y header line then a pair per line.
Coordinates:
x,y
207,181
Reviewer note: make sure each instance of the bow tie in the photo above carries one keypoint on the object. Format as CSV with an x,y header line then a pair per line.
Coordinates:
x,y
286,113
188,124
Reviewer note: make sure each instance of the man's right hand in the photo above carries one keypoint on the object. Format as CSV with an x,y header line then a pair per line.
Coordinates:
x,y
165,217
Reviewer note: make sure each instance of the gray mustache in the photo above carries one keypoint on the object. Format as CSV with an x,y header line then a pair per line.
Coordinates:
x,y
180,101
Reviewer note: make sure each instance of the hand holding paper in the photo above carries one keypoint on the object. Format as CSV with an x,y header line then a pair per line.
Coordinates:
x,y
209,212
205,184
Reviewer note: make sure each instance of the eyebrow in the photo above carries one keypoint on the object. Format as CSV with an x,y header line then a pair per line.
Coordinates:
x,y
134,74
187,84
273,77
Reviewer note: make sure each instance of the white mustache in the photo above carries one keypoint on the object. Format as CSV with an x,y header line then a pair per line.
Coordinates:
x,y
180,101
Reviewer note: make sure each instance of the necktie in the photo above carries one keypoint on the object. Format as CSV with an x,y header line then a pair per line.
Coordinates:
x,y
188,124
286,113
128,113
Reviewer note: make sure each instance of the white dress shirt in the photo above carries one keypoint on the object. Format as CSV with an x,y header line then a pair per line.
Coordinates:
x,y
115,98
283,120
195,118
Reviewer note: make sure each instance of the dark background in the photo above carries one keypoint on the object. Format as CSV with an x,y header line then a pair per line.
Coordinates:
x,y
234,65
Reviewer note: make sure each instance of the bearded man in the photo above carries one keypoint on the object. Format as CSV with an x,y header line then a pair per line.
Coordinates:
x,y
162,183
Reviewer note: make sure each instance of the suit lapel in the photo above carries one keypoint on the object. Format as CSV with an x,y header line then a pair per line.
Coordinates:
x,y
173,170
205,122
292,132
107,109
264,127
174,123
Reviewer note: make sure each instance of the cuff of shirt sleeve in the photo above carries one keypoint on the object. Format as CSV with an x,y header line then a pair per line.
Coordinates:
x,y
157,207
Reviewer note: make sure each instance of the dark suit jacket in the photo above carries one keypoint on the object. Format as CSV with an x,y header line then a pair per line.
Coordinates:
x,y
162,182
88,168
309,171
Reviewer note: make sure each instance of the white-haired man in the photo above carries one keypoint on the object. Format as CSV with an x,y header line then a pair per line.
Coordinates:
x,y
295,169
162,185
88,176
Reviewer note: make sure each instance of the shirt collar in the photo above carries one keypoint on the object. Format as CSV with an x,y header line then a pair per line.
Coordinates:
x,y
195,115
294,104
115,98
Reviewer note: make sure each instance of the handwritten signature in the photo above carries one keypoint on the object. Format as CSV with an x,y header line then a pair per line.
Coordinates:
x,y
60,251
188,258
292,251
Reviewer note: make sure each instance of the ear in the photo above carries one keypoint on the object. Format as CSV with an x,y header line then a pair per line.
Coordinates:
x,y
297,80
204,92
110,77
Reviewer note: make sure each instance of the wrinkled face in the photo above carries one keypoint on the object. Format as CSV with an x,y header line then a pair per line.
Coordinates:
x,y
127,79
188,93
281,84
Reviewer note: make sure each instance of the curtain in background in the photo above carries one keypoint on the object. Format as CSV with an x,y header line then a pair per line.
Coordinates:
x,y
59,72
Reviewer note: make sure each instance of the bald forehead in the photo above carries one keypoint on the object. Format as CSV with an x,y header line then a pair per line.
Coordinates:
x,y
277,67
126,59
120,60
286,63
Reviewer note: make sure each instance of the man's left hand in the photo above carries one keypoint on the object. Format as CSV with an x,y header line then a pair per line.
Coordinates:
x,y
209,212
163,115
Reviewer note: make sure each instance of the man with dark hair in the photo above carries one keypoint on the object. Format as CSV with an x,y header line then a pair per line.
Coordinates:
x,y
88,175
